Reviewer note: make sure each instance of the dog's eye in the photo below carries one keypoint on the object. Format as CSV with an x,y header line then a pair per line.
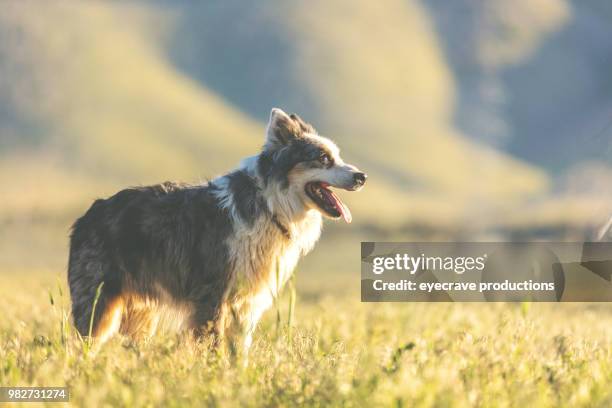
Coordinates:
x,y
325,160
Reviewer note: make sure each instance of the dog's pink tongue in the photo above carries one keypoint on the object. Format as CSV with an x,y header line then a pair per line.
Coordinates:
x,y
341,207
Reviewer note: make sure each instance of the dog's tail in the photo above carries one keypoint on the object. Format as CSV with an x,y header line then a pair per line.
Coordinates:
x,y
89,267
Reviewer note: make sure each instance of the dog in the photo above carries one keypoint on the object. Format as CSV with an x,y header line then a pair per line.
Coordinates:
x,y
218,252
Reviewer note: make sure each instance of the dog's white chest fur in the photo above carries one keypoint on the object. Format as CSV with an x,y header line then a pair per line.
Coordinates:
x,y
263,261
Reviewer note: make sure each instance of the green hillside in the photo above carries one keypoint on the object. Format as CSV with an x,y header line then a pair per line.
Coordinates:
x,y
384,85
94,102
370,75
96,99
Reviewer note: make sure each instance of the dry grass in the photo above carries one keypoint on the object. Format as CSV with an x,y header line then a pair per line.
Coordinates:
x,y
339,353
100,105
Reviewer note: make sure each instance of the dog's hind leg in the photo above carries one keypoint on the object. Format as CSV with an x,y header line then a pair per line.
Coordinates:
x,y
140,319
106,316
109,320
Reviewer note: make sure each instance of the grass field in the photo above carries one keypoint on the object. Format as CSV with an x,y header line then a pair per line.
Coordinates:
x,y
96,96
337,352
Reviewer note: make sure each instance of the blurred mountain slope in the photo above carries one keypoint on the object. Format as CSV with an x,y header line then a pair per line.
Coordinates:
x,y
369,75
98,95
84,85
533,76
110,93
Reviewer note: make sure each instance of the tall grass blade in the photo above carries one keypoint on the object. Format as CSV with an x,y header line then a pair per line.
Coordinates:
x,y
276,302
292,299
93,312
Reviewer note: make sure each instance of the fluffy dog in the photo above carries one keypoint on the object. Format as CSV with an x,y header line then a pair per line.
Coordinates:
x,y
217,252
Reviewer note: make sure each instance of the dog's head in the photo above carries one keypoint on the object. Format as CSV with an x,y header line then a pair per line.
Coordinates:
x,y
304,165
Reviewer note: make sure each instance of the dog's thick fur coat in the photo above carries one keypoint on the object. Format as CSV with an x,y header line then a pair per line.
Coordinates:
x,y
217,252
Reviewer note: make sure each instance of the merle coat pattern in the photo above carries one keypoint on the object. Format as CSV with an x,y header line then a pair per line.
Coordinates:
x,y
216,253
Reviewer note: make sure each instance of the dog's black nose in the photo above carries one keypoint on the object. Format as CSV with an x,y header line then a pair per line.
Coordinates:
x,y
360,178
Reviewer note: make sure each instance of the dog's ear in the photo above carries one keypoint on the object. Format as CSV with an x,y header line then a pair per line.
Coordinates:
x,y
282,130
304,127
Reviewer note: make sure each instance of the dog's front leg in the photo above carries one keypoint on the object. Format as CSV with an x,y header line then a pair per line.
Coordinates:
x,y
210,321
240,328
256,308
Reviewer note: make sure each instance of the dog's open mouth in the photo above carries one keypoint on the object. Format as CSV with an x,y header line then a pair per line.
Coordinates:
x,y
327,201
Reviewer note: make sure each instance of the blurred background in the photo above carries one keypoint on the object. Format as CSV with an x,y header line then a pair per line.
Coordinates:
x,y
475,120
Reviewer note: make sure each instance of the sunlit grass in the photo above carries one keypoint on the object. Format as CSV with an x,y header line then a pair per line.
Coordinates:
x,y
339,353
